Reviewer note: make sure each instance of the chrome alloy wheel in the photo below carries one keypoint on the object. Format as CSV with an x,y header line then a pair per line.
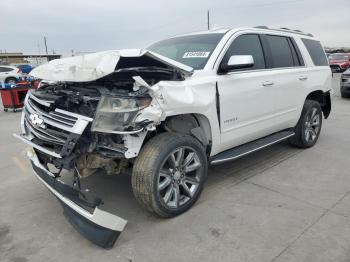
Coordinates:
x,y
312,125
179,177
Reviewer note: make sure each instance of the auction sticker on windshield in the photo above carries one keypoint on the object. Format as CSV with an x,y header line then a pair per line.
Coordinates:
x,y
196,54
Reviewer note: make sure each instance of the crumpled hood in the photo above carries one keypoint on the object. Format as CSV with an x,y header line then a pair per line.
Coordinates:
x,y
91,67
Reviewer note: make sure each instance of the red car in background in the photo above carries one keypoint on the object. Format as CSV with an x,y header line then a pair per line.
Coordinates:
x,y
339,62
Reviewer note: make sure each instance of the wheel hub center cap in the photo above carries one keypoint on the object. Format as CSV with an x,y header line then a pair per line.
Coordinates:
x,y
177,175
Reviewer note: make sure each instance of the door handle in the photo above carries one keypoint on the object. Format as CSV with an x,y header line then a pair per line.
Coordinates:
x,y
267,83
302,78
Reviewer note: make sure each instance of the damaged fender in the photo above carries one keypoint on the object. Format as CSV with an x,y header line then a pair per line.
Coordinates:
x,y
172,98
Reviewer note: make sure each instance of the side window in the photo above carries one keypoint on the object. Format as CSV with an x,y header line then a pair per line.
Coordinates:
x,y
247,45
281,53
316,52
5,69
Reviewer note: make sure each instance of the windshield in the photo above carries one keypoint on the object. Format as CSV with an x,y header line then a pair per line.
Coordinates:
x,y
338,57
192,50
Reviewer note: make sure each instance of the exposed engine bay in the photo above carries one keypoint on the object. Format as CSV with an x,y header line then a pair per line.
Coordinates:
x,y
113,102
96,112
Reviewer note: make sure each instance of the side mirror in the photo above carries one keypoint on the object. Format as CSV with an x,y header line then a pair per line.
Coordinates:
x,y
238,62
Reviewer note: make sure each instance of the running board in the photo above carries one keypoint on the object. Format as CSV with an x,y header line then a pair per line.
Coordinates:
x,y
250,147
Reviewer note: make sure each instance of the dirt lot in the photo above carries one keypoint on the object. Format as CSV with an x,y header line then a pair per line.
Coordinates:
x,y
279,204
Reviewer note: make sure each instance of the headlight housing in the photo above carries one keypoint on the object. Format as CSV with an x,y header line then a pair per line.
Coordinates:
x,y
117,114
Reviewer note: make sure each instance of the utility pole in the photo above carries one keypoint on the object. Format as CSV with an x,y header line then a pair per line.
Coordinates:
x,y
45,45
208,19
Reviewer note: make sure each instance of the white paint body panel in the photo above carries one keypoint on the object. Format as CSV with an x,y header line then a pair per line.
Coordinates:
x,y
255,110
248,109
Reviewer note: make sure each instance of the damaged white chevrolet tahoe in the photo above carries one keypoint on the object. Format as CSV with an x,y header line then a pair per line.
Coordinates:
x,y
168,112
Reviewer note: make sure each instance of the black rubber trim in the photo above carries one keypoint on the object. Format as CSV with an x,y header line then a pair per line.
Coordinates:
x,y
99,235
65,190
218,104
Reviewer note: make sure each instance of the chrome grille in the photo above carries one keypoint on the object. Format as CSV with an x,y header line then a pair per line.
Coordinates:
x,y
52,126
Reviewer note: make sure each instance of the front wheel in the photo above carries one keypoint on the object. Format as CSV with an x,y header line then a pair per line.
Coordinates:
x,y
169,174
309,125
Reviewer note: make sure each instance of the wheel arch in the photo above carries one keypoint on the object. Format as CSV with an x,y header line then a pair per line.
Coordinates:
x,y
10,77
196,125
324,98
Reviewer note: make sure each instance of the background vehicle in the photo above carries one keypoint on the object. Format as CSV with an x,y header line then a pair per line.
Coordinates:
x,y
10,74
170,111
25,68
339,62
345,84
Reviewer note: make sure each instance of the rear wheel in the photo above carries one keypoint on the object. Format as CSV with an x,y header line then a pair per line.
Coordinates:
x,y
11,80
169,174
309,125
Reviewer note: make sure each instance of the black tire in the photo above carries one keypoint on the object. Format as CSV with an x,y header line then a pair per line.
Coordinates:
x,y
147,178
5,109
304,136
11,79
343,95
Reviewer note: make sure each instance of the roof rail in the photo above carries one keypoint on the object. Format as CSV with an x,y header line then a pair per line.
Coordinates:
x,y
261,27
284,29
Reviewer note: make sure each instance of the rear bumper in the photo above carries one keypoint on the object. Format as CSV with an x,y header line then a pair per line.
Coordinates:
x,y
100,227
345,86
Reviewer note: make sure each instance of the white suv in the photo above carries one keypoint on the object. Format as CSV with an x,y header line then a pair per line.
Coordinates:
x,y
9,74
170,111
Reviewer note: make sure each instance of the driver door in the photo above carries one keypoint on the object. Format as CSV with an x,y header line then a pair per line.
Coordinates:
x,y
246,95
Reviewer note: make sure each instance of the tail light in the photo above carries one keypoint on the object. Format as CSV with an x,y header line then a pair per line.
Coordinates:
x,y
344,66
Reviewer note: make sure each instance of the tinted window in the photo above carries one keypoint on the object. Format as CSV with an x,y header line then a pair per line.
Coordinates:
x,y
5,69
281,52
316,52
192,50
247,45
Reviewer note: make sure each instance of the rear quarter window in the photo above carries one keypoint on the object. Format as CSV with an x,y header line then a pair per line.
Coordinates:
x,y
5,69
316,52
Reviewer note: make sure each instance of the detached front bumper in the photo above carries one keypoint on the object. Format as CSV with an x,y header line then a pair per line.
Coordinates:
x,y
100,227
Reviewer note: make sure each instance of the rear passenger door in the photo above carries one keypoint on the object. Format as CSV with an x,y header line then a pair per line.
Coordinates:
x,y
289,77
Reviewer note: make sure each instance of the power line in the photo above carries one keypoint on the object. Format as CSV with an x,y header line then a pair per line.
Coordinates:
x,y
45,45
208,19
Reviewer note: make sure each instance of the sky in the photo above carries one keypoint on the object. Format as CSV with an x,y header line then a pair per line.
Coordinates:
x,y
96,25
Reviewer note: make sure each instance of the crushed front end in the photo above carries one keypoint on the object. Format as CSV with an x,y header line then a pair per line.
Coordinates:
x,y
79,127
60,140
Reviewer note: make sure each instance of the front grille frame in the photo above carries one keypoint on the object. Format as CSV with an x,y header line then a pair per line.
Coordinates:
x,y
60,129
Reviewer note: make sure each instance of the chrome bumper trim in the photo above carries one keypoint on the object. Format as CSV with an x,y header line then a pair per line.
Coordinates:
x,y
40,148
